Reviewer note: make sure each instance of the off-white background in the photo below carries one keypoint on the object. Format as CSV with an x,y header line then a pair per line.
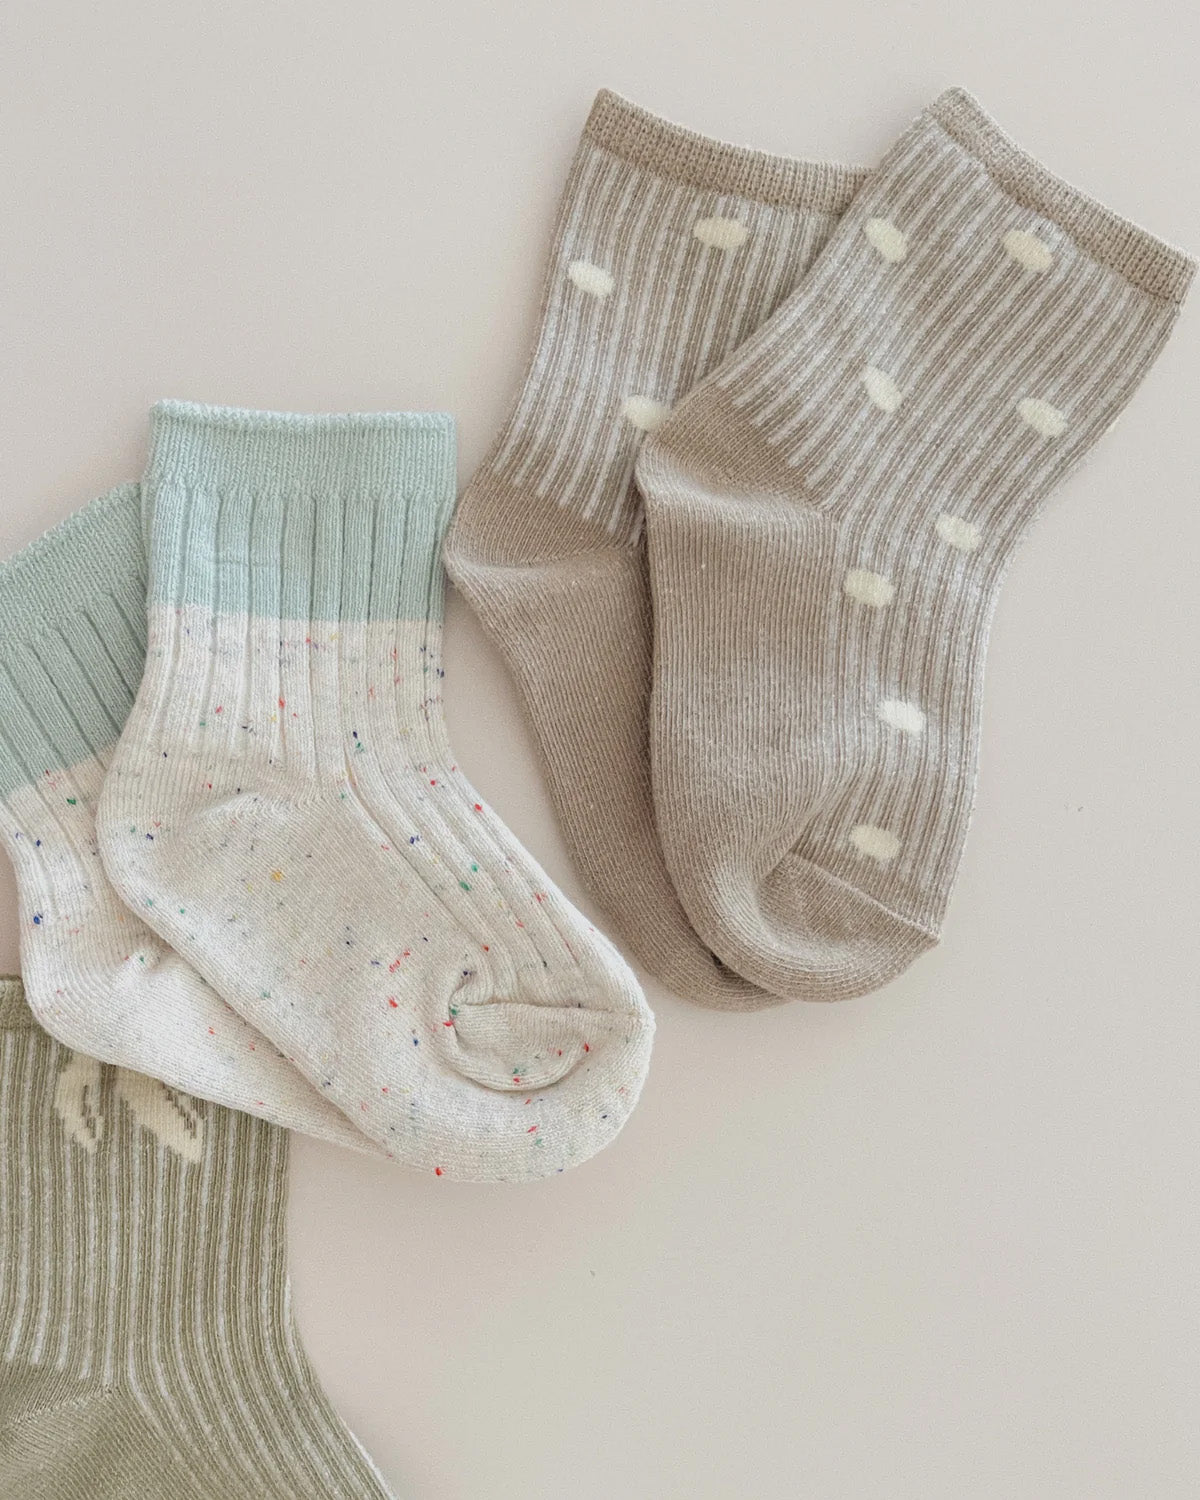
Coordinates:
x,y
937,1244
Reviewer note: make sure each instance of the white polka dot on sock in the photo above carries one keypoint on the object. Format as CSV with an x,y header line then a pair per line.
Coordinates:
x,y
887,239
644,412
882,389
872,589
1042,417
958,533
592,279
902,715
1027,250
875,843
721,234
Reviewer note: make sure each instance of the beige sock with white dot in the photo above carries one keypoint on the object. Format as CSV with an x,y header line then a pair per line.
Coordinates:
x,y
829,517
670,250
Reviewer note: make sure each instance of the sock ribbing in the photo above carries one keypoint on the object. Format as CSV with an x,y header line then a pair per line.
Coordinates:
x,y
829,520
670,249
295,584
145,1327
73,615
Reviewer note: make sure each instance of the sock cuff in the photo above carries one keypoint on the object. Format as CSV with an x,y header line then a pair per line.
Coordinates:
x,y
98,553
648,141
300,517
73,628
225,449
15,1014
1144,260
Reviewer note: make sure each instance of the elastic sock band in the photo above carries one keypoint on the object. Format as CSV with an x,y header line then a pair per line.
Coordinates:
x,y
1114,241
228,449
97,552
669,150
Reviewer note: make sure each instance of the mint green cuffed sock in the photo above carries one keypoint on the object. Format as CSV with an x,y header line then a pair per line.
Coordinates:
x,y
282,811
73,626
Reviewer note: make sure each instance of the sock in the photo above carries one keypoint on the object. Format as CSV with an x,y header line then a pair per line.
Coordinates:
x,y
146,1336
670,249
73,622
829,518
294,567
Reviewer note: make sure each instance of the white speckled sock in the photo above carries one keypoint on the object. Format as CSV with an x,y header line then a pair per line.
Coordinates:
x,y
73,626
258,815
829,517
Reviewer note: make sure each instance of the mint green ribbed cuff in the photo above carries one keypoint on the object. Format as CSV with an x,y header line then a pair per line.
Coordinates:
x,y
224,449
15,1014
96,554
72,639
297,518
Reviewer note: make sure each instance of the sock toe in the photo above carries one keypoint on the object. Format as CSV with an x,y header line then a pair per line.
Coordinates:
x,y
804,934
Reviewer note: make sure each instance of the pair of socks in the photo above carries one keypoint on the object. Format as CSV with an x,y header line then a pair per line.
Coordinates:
x,y
741,539
247,862
146,1337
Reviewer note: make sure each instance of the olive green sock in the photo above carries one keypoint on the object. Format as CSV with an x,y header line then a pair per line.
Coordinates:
x,y
146,1338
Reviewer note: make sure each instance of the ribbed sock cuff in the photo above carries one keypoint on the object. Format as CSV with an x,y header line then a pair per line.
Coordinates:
x,y
1146,261
674,152
96,554
315,518
225,449
72,638
15,1014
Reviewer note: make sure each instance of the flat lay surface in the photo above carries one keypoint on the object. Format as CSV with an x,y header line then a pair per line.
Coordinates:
x,y
934,1242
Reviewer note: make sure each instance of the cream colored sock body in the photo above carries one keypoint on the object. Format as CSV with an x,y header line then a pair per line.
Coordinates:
x,y
339,896
73,621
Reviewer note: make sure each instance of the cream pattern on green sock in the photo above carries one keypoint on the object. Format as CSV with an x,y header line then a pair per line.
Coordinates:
x,y
73,622
146,1337
258,814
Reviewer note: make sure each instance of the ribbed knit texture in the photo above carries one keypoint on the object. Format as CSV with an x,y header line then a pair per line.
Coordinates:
x,y
670,250
146,1339
283,810
829,517
73,628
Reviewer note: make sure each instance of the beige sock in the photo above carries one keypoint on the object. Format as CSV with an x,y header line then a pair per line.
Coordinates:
x,y
829,518
670,249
